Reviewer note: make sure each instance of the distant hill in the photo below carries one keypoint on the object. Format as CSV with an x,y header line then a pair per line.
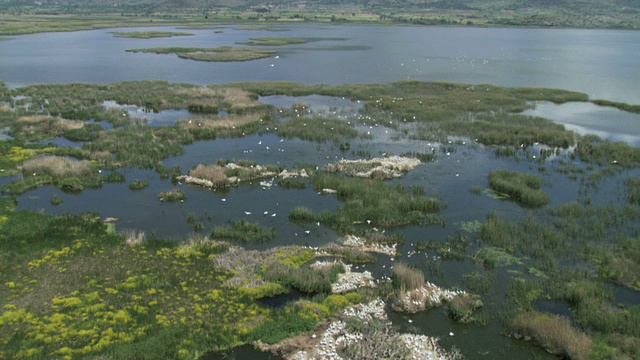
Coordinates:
x,y
199,5
612,14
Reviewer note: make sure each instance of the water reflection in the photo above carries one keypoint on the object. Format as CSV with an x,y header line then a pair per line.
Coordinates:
x,y
587,118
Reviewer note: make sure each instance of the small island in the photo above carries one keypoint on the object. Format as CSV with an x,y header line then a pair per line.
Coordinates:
x,y
217,54
148,34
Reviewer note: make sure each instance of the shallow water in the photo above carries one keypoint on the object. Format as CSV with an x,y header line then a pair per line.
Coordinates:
x,y
596,62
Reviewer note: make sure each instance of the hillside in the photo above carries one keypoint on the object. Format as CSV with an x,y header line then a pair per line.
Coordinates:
x,y
619,14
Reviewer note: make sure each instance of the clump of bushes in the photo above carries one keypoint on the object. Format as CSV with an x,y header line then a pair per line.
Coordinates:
x,y
138,184
305,279
463,308
243,231
523,188
172,195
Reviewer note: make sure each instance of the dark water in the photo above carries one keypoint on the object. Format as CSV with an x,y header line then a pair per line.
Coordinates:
x,y
600,63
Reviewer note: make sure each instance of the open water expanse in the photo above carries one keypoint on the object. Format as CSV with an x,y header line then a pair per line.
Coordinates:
x,y
603,64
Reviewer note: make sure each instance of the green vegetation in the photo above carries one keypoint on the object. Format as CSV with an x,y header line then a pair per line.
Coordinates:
x,y
102,295
464,309
292,183
632,189
317,128
523,188
138,184
368,203
618,105
56,200
172,195
105,295
592,149
148,34
243,231
271,41
222,53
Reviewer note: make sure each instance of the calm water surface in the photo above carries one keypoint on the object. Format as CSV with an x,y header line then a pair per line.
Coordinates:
x,y
600,63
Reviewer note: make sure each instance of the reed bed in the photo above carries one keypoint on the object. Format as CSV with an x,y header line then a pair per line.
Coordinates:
x,y
405,277
523,188
554,333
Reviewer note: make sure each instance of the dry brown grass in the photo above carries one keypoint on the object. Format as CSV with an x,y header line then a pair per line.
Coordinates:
x,y
406,277
554,333
54,122
133,237
238,98
213,173
57,166
217,122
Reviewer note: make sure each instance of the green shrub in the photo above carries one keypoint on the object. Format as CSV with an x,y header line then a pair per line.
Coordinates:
x,y
172,195
138,184
243,231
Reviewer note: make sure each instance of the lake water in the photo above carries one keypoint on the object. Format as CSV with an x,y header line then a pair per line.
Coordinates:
x,y
602,64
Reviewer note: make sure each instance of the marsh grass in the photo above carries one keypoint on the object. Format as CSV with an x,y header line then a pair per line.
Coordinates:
x,y
554,333
40,127
369,202
317,128
56,200
271,41
217,54
405,277
592,149
618,105
632,190
304,279
65,173
464,309
148,34
172,195
138,184
243,231
523,188
290,183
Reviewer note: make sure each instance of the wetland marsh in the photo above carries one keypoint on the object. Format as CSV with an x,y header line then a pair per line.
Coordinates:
x,y
516,224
